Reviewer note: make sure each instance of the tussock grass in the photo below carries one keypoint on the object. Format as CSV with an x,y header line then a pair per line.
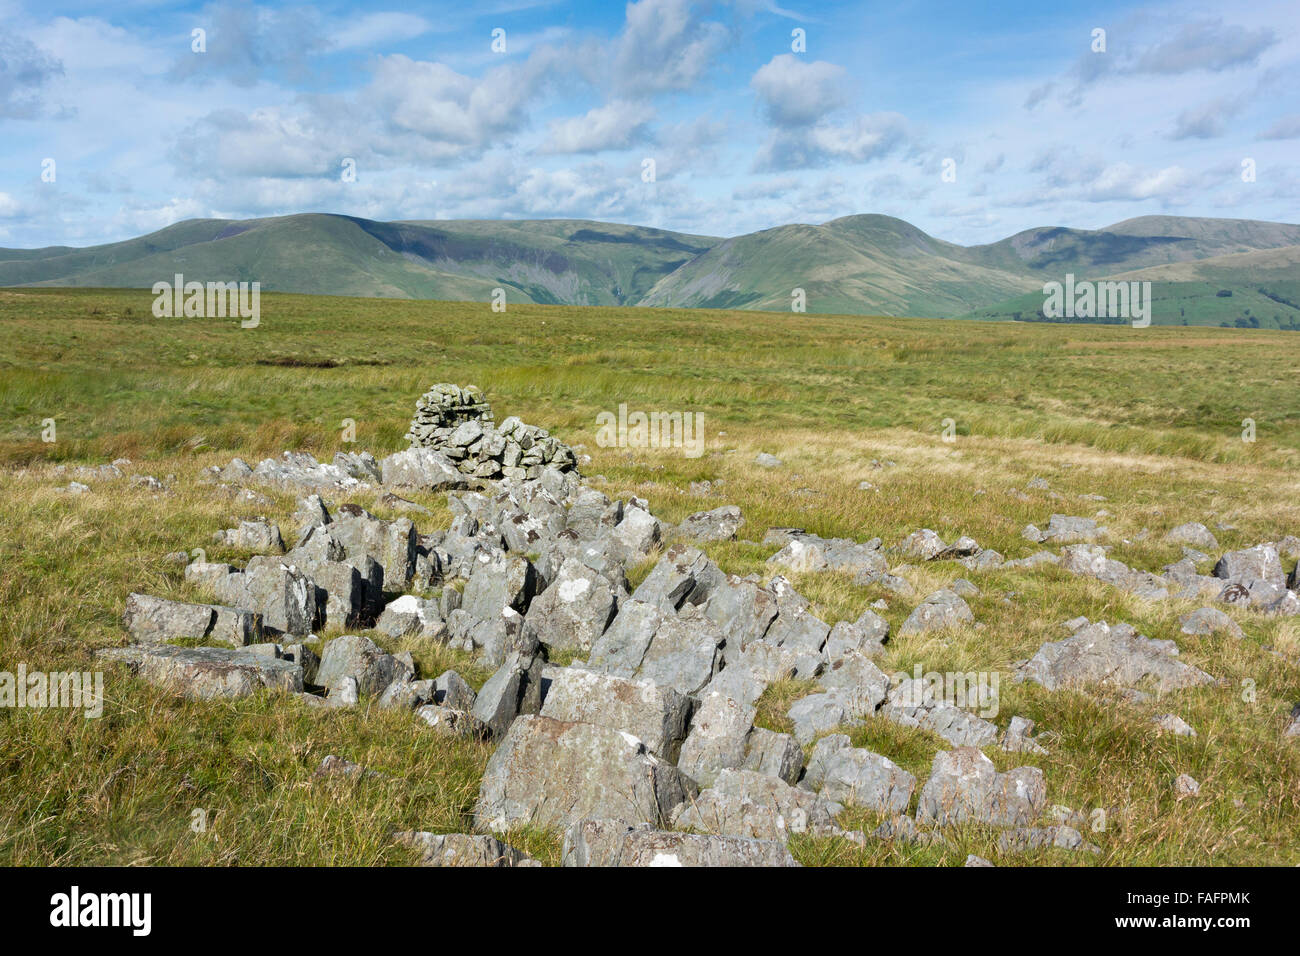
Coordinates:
x,y
1150,419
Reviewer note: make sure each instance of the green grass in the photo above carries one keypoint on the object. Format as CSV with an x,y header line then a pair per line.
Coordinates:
x,y
1150,419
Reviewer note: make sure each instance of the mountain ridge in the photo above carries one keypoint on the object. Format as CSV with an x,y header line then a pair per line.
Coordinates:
x,y
859,264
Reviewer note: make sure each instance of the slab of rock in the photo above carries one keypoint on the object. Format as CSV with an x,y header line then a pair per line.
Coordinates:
x,y
1185,785
774,754
683,653
1110,655
1261,563
916,702
622,647
720,524
743,612
616,843
462,849
862,778
867,635
658,716
747,804
815,714
858,684
682,576
965,786
718,738
505,581
413,615
252,536
207,673
358,657
422,469
285,597
1209,620
1019,737
924,545
1173,724
553,773
1025,839
515,688
940,610
574,610
1195,534
156,620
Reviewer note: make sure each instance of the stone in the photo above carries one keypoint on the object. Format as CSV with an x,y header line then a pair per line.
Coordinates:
x,y
1173,724
683,653
867,635
514,689
360,658
336,766
940,610
816,714
462,849
1025,839
450,721
718,738
392,544
822,753
1195,534
764,460
682,576
643,848
964,786
1209,620
743,612
409,615
285,597
1099,654
553,773
1185,785
1019,737
506,581
1244,567
720,524
207,673
973,860
866,779
574,611
774,754
453,691
747,804
916,702
422,469
857,683
157,620
622,647
252,536
925,545
658,716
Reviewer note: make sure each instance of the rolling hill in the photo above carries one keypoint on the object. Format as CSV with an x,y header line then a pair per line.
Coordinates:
x,y
1204,271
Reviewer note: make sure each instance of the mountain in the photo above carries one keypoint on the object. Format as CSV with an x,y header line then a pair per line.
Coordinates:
x,y
1204,271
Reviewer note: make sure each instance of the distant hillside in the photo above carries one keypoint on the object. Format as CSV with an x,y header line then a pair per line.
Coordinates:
x,y
1205,271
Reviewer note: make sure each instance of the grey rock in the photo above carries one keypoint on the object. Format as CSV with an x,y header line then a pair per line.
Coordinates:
x,y
822,753
1209,620
514,689
718,738
622,647
914,702
1173,724
747,804
684,652
964,786
574,611
720,524
506,581
358,657
462,849
658,716
866,779
554,773
422,469
207,673
774,754
157,620
1118,656
940,610
1195,534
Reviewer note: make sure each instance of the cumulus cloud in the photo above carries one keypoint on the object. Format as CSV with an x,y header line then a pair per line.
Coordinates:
x,y
616,125
664,46
796,92
1207,121
246,43
863,138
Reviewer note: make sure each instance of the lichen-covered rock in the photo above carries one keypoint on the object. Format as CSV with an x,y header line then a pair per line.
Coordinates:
x,y
658,716
358,657
462,849
1110,655
747,804
965,786
553,773
207,672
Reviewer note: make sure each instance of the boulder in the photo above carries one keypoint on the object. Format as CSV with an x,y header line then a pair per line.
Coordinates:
x,y
207,673
717,739
940,610
747,804
720,524
574,611
551,773
862,778
361,659
1106,655
658,716
965,786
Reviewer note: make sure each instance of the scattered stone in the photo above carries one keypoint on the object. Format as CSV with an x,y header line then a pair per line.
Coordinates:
x,y
764,460
1210,620
1019,737
614,843
1195,534
940,610
156,620
361,659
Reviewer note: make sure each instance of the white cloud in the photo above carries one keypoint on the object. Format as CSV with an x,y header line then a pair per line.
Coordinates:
x,y
795,92
615,125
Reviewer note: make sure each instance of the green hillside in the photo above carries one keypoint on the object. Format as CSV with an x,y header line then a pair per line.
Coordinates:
x,y
1206,271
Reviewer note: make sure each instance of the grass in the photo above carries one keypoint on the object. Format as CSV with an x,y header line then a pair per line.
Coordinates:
x,y
1151,419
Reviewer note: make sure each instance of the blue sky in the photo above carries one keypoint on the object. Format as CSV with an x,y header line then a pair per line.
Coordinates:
x,y
1033,126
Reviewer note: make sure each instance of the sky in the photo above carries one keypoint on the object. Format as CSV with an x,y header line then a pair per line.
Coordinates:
x,y
970,121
